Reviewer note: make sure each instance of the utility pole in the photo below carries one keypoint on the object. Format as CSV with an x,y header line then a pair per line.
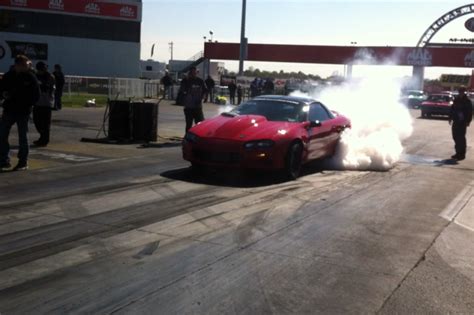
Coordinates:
x,y
171,49
243,40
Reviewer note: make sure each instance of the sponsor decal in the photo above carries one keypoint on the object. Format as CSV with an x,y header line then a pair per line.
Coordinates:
x,y
420,57
469,59
87,7
127,12
470,24
19,3
56,5
92,8
2,52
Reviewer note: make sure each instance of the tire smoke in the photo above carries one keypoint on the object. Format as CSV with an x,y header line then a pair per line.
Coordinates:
x,y
380,122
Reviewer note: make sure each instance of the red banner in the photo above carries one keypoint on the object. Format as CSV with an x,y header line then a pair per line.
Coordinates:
x,y
404,56
87,7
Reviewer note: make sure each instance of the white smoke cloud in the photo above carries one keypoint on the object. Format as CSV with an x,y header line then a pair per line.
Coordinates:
x,y
379,122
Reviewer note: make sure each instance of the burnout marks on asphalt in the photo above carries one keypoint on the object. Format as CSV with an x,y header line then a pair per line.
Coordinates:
x,y
63,156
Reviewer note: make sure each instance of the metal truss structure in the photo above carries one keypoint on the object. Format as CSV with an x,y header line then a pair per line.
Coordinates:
x,y
442,21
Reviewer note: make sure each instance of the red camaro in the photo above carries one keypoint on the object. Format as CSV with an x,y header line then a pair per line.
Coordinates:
x,y
437,104
268,132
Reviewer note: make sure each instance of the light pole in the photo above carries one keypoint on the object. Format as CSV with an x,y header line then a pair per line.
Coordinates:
x,y
243,40
212,34
171,49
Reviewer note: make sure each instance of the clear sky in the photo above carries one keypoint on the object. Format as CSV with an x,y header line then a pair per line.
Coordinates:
x,y
309,22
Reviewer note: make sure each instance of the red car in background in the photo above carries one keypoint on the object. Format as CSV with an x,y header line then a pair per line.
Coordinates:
x,y
437,104
269,133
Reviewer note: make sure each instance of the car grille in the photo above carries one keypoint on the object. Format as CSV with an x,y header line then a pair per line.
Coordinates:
x,y
217,157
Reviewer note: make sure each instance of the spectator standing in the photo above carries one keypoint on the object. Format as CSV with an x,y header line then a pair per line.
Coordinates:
x,y
21,92
167,82
232,88
42,109
210,84
239,94
254,88
268,87
60,81
460,119
193,89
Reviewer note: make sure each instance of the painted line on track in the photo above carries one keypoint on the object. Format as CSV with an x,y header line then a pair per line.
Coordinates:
x,y
458,203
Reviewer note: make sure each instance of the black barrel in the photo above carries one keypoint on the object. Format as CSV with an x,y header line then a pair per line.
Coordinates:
x,y
120,120
145,121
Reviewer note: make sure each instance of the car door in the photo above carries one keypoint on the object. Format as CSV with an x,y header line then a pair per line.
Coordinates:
x,y
319,136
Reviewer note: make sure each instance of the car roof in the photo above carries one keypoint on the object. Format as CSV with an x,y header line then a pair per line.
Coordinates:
x,y
299,99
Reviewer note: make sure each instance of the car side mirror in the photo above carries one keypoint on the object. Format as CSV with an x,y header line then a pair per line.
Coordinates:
x,y
315,123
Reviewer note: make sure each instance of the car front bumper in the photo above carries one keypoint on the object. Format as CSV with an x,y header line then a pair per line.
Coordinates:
x,y
232,154
436,110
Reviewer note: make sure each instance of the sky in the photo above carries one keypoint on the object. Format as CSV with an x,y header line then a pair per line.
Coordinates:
x,y
308,22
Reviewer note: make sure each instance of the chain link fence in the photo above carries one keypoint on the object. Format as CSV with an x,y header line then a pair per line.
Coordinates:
x,y
113,88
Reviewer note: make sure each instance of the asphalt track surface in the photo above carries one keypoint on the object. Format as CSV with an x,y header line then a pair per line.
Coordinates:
x,y
101,229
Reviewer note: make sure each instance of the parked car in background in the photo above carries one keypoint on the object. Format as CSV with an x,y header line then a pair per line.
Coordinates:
x,y
413,98
437,104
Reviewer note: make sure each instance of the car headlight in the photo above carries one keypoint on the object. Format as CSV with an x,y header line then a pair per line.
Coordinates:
x,y
259,144
191,137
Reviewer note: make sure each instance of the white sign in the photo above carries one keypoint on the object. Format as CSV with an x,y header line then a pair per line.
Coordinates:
x,y
420,57
56,4
92,8
127,12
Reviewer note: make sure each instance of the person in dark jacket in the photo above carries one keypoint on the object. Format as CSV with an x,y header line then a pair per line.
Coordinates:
x,y
240,93
167,82
210,84
232,88
42,109
21,91
460,119
60,81
193,89
268,87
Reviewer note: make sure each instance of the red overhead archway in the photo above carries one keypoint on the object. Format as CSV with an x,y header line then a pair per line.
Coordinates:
x,y
403,56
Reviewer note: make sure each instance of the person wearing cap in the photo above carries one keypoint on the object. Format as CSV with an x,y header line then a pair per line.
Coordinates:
x,y
21,91
167,82
42,109
193,89
460,119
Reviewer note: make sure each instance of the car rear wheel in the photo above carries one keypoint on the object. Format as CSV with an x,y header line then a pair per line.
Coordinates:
x,y
294,160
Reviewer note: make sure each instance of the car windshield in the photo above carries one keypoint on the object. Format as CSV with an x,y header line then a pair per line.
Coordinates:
x,y
416,94
439,98
272,110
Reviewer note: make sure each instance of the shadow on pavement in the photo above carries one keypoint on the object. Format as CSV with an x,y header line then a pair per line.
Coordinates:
x,y
234,177
446,162
444,118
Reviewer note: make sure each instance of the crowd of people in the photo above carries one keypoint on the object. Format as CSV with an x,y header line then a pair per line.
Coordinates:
x,y
24,91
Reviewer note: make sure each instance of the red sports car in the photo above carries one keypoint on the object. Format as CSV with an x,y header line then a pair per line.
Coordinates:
x,y
268,133
437,104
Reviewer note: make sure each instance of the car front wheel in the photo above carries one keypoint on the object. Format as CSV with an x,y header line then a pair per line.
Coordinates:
x,y
294,160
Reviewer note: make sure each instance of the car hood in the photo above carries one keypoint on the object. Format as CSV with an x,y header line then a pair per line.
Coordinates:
x,y
242,128
426,103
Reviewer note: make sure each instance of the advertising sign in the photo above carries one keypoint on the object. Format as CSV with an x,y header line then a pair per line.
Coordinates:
x,y
87,7
34,51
